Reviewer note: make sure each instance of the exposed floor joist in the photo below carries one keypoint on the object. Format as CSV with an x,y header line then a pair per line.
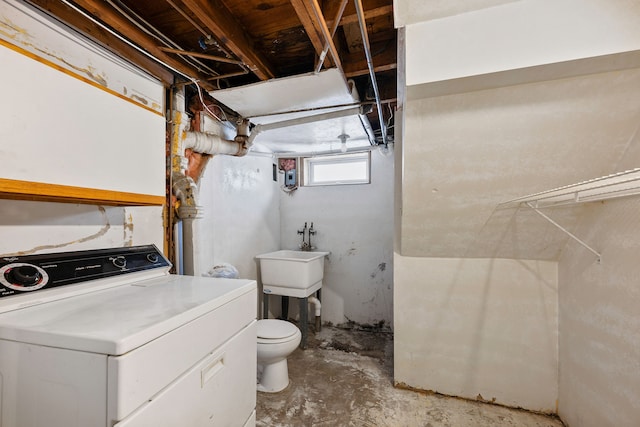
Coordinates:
x,y
217,18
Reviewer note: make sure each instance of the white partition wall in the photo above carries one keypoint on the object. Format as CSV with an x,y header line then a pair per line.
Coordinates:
x,y
74,115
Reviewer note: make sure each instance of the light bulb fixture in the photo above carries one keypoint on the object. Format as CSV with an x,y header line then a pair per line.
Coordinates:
x,y
343,142
384,149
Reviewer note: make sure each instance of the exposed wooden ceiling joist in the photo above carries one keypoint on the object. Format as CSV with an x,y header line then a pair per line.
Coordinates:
x,y
354,61
217,18
232,43
356,64
369,13
312,19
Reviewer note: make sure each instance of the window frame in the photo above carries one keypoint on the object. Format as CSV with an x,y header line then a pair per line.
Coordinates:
x,y
308,164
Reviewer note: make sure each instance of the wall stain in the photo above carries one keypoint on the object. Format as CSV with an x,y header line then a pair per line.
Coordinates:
x,y
100,233
128,230
22,37
382,266
479,398
140,99
6,23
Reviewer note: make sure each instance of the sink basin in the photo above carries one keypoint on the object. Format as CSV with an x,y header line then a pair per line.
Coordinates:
x,y
292,273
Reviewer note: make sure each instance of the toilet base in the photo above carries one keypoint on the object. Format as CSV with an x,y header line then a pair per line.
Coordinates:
x,y
273,377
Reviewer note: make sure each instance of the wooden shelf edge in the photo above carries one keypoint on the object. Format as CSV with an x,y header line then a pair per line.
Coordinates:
x,y
38,191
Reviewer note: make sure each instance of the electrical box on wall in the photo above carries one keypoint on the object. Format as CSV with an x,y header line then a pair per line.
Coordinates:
x,y
289,167
290,178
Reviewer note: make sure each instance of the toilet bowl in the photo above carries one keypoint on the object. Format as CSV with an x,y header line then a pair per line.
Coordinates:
x,y
277,339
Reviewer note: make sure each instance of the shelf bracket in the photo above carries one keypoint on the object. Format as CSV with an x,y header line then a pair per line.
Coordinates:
x,y
530,205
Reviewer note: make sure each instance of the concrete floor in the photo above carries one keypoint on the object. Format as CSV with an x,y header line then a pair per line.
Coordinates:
x,y
345,378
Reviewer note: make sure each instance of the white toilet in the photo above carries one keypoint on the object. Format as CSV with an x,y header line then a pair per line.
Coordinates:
x,y
277,339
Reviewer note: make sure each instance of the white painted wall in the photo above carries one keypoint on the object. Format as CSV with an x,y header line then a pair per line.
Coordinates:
x,y
599,317
513,35
241,213
28,227
354,223
471,323
481,329
466,153
66,128
59,129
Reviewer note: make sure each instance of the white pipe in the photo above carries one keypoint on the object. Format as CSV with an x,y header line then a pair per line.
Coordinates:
x,y
185,189
304,120
208,143
189,250
316,302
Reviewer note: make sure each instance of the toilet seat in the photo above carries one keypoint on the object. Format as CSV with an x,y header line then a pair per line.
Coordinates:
x,y
274,331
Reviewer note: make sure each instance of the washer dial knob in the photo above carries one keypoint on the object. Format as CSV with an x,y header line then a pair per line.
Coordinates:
x,y
23,277
119,261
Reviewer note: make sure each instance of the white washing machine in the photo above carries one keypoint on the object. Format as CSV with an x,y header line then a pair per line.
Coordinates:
x,y
109,338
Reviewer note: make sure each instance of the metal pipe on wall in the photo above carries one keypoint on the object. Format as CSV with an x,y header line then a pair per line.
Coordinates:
x,y
334,27
367,51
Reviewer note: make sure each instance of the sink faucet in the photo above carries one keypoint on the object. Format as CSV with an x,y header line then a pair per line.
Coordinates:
x,y
304,246
311,233
306,243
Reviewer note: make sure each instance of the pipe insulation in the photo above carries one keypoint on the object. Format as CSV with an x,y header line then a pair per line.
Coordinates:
x,y
208,143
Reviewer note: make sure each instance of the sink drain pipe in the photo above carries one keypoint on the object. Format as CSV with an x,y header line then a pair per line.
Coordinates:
x,y
315,301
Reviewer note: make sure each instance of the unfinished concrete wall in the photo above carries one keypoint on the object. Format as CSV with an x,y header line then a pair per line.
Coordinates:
x,y
241,213
354,223
481,329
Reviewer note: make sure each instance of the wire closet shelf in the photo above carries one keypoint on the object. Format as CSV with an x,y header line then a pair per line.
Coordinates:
x,y
621,184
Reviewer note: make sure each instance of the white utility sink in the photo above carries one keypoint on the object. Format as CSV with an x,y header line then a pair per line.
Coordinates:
x,y
292,273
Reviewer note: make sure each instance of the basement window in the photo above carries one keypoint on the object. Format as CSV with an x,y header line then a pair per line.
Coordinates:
x,y
340,169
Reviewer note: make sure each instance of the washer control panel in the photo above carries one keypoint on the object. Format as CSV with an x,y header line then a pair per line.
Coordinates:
x,y
29,273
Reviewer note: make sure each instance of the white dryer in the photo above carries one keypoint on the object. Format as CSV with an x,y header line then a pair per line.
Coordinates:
x,y
107,338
